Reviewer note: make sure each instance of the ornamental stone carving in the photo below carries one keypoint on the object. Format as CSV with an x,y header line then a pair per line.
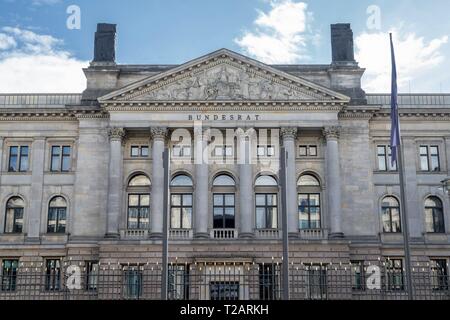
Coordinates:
x,y
116,134
332,132
159,133
289,133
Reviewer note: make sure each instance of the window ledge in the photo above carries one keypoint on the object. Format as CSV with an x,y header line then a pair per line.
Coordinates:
x,y
391,237
12,237
55,237
436,237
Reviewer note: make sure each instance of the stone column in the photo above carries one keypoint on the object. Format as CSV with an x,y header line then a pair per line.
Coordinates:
x,y
115,181
288,136
246,202
159,135
333,181
37,181
201,191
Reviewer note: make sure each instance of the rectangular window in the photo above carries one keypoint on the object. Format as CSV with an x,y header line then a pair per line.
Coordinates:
x,y
224,211
181,211
56,220
429,158
266,211
9,275
132,283
308,151
439,274
18,159
266,151
394,272
52,275
269,281
384,156
178,282
270,151
92,270
223,151
181,151
358,279
139,151
261,151
317,282
138,211
61,159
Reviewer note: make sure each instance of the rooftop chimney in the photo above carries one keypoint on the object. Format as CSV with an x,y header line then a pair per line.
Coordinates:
x,y
342,44
105,44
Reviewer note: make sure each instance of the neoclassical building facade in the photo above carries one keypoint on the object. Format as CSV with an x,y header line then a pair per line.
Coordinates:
x,y
82,174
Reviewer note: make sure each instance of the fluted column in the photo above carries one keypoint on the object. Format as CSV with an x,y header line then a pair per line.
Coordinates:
x,y
246,202
288,136
333,179
115,181
201,191
159,135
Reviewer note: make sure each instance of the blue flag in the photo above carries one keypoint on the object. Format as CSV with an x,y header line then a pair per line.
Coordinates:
x,y
395,121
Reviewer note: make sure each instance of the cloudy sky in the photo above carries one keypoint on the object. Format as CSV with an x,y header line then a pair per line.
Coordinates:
x,y
39,53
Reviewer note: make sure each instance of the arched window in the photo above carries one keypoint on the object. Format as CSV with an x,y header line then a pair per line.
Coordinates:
x,y
434,215
138,217
309,211
266,202
57,215
181,188
390,210
224,202
14,215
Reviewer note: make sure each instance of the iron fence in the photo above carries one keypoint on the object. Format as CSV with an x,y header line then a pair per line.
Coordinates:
x,y
222,281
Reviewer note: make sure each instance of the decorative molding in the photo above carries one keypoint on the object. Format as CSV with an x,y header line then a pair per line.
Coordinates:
x,y
116,134
159,133
331,133
289,132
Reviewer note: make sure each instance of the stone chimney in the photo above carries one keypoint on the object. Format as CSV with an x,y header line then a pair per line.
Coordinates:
x,y
105,44
342,44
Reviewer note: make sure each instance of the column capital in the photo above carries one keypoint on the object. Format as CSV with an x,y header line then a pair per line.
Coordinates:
x,y
160,133
289,132
332,132
116,134
244,133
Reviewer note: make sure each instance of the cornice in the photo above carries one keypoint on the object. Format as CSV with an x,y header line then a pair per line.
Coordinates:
x,y
51,116
433,116
172,106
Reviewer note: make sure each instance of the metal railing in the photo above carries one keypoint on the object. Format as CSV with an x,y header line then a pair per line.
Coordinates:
x,y
222,281
224,234
410,99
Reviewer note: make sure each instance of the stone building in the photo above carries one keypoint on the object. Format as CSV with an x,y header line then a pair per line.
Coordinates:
x,y
81,175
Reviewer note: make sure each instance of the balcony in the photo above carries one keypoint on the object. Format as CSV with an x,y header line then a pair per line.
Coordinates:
x,y
223,234
180,234
268,233
313,234
134,234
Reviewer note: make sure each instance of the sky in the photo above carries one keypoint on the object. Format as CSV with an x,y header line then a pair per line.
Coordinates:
x,y
44,44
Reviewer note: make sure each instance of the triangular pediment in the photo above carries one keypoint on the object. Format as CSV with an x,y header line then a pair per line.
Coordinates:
x,y
223,76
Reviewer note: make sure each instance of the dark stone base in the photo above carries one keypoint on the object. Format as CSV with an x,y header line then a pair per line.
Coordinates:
x,y
336,235
201,235
248,235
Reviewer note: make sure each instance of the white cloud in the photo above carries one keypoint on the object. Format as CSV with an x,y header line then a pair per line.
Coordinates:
x,y
45,2
35,63
281,35
414,56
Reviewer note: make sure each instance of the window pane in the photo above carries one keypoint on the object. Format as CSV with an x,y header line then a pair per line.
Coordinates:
x,y
313,151
229,218
135,151
144,220
9,221
144,151
182,181
175,218
218,151
386,219
59,202
55,163
139,181
266,181
271,199
303,151
176,200
133,214
382,163
424,151
261,151
66,162
381,150
315,218
429,221
228,151
424,163
61,226
23,159
260,218
308,180
176,150
66,150
145,200
224,180
52,216
187,200
13,159
133,200
270,151
218,200
272,218
395,212
314,200
187,218
260,200
187,151
229,200
435,163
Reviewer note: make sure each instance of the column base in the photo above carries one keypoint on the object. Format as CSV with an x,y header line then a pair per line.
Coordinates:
x,y
201,235
293,235
156,236
336,235
112,236
247,235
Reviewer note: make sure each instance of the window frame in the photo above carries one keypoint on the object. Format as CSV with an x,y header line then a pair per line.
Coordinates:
x,y
224,208
439,274
393,272
21,158
390,208
53,274
9,276
266,208
61,157
140,148
181,206
15,211
386,158
58,210
309,206
92,273
430,158
435,210
358,275
307,151
139,207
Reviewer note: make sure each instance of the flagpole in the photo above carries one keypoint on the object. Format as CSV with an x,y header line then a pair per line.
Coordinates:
x,y
404,216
